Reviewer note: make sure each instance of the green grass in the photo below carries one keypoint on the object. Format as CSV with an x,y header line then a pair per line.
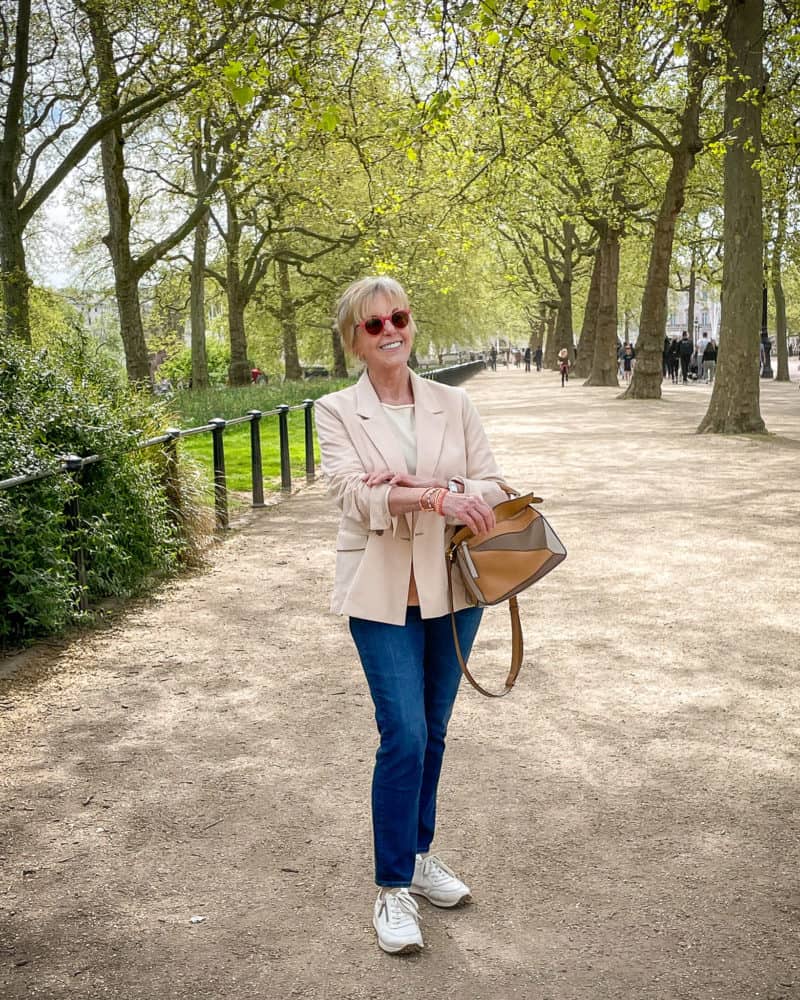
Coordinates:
x,y
193,409
237,453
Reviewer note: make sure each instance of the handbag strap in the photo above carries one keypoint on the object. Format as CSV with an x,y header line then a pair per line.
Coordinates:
x,y
516,643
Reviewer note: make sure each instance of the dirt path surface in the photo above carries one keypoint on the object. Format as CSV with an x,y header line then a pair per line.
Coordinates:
x,y
627,819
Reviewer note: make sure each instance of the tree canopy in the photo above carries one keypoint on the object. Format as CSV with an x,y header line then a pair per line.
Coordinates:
x,y
549,172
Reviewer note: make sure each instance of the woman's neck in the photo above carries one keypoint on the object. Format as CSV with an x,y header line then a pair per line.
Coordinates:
x,y
393,387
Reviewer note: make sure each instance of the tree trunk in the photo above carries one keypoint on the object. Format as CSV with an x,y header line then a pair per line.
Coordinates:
x,y
126,282
604,361
14,279
197,278
781,344
239,367
734,406
647,374
549,358
197,308
288,319
339,357
541,327
563,336
583,364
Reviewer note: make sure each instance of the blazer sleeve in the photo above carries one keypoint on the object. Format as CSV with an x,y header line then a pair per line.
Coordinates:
x,y
343,470
482,474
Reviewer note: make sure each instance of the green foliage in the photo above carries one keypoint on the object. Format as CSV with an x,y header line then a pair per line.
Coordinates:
x,y
52,317
54,403
193,408
177,369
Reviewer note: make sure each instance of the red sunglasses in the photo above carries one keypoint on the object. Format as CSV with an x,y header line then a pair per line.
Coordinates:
x,y
375,324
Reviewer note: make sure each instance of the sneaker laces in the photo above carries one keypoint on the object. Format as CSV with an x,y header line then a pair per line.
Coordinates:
x,y
436,869
399,906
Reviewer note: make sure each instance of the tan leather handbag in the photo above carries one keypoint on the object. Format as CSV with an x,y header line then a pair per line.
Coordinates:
x,y
495,567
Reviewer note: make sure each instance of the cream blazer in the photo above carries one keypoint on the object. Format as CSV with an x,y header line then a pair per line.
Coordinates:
x,y
374,550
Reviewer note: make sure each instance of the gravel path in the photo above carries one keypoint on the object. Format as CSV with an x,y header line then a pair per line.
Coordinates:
x,y
627,819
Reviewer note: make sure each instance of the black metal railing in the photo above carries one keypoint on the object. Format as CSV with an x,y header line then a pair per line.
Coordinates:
x,y
73,465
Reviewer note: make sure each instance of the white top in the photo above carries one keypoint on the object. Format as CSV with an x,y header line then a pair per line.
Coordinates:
x,y
402,420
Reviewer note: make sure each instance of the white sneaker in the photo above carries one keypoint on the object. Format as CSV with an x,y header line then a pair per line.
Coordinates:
x,y
396,920
437,883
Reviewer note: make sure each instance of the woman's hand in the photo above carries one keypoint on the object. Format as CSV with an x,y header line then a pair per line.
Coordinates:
x,y
470,509
400,479
416,482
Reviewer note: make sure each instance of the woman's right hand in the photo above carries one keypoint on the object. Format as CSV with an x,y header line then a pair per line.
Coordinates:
x,y
470,509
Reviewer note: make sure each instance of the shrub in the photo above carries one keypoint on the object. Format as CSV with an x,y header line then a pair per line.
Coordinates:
x,y
73,399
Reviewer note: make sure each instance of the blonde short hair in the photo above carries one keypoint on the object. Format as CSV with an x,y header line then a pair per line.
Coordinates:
x,y
352,307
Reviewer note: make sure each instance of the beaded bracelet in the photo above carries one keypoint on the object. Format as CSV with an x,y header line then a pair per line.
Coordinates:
x,y
432,499
427,499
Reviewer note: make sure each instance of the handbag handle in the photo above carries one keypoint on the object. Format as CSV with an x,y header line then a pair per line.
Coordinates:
x,y
516,643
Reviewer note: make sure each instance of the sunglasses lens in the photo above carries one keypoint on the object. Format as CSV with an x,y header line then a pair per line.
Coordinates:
x,y
373,326
400,319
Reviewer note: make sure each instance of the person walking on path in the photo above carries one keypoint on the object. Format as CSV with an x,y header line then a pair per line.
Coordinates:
x,y
493,358
527,357
406,460
685,352
673,359
628,354
700,351
710,361
563,365
537,358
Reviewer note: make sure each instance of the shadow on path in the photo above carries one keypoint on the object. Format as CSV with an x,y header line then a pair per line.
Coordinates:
x,y
627,818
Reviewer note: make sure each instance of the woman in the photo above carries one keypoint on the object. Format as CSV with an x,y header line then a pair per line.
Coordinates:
x,y
710,361
406,459
563,365
628,354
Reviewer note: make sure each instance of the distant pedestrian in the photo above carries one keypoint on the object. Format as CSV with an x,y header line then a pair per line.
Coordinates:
x,y
710,361
563,365
493,358
527,358
517,357
628,354
702,344
673,359
685,352
537,358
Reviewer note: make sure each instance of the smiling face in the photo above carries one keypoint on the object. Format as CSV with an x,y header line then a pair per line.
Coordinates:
x,y
391,348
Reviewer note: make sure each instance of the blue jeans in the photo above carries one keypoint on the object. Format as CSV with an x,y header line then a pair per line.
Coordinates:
x,y
413,676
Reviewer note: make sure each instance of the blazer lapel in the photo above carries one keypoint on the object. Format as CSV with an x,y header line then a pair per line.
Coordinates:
x,y
377,427
431,422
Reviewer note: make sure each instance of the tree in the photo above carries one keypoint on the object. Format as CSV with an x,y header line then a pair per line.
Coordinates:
x,y
129,268
48,129
734,406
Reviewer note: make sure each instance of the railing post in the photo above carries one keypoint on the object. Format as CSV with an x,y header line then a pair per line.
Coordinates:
x,y
220,483
72,512
172,483
283,435
255,458
309,409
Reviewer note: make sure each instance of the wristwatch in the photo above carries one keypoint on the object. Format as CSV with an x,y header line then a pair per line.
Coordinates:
x,y
454,485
